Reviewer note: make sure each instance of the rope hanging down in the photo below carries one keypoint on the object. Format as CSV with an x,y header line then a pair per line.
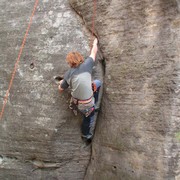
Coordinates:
x,y
93,22
18,59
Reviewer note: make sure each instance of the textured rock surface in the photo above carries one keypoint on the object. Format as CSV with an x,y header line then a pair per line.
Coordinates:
x,y
38,131
137,134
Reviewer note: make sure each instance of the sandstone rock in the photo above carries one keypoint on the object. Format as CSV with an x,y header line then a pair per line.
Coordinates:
x,y
136,133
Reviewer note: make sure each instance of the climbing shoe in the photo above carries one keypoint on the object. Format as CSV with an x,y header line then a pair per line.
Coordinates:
x,y
87,139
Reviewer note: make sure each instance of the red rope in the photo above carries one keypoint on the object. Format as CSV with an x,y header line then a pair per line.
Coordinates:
x,y
18,59
93,22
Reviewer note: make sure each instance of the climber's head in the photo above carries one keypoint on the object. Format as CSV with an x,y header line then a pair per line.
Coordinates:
x,y
74,59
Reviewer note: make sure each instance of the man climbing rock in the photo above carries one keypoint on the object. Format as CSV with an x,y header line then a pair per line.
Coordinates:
x,y
84,91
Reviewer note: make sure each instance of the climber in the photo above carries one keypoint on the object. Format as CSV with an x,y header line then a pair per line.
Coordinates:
x,y
84,91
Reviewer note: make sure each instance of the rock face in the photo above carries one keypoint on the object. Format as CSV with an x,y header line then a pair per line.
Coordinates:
x,y
137,136
38,131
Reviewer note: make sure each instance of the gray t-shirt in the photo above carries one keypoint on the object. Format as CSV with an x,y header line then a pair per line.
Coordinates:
x,y
79,80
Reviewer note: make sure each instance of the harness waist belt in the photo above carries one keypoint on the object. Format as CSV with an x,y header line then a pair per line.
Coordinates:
x,y
82,101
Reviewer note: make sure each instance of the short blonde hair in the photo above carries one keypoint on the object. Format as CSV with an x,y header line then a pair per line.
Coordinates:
x,y
74,59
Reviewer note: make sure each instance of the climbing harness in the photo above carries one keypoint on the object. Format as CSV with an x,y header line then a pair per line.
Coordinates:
x,y
88,111
78,101
86,107
18,59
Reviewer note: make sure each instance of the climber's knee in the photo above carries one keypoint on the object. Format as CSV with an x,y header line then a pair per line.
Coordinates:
x,y
98,83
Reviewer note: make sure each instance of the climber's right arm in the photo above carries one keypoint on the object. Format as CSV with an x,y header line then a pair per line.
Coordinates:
x,y
94,49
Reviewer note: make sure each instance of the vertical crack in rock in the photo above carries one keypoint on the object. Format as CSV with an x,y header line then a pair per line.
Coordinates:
x,y
101,61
